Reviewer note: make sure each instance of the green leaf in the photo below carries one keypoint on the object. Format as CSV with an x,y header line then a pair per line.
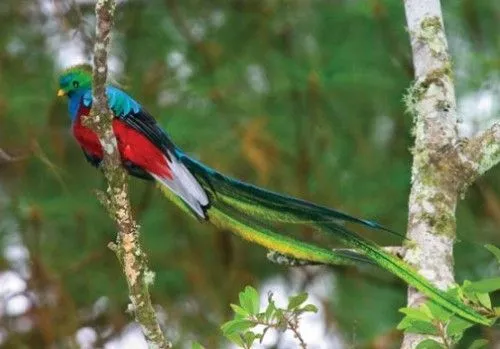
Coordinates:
x,y
429,344
417,314
197,345
438,312
456,291
457,326
483,286
484,299
249,337
280,318
409,324
496,311
249,300
309,308
424,308
296,301
236,339
236,326
479,344
270,310
239,310
495,250
279,313
471,296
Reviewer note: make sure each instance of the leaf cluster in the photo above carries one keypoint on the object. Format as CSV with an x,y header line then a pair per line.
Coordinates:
x,y
242,330
431,319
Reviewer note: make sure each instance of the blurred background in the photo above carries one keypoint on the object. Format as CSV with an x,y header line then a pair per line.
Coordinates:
x,y
299,96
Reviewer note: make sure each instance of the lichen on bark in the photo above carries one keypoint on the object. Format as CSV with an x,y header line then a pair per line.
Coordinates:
x,y
443,164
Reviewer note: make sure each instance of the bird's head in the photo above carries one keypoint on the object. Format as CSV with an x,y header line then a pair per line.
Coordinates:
x,y
75,78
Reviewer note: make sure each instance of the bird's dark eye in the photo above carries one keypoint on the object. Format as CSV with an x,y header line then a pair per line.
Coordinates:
x,y
76,84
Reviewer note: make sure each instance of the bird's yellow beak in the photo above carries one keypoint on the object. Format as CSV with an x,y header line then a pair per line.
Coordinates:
x,y
61,93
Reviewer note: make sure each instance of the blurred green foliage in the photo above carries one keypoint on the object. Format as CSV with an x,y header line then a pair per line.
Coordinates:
x,y
300,96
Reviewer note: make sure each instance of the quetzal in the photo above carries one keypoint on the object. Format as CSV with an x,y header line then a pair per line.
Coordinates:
x,y
148,152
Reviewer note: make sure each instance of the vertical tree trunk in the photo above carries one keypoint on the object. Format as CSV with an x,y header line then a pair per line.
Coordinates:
x,y
442,165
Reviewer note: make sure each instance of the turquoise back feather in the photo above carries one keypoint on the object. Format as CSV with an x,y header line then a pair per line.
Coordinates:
x,y
120,103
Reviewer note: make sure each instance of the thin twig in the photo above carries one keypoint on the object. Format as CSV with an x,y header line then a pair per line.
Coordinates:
x,y
116,200
4,157
293,326
7,158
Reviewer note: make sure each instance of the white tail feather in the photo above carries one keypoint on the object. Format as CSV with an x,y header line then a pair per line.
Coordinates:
x,y
185,186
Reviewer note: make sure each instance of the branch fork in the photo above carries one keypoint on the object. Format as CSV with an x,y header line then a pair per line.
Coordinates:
x,y
444,165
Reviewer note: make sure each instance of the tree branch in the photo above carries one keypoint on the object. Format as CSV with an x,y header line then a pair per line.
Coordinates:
x,y
6,158
480,153
116,200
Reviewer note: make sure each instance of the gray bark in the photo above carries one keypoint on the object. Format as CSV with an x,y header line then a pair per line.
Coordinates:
x,y
116,199
443,164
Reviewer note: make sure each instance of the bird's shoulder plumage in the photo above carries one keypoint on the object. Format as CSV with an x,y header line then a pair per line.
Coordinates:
x,y
128,110
120,103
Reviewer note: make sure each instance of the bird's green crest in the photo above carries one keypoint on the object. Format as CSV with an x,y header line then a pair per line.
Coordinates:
x,y
74,78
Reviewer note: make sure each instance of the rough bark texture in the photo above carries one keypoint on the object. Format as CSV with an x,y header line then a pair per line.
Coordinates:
x,y
116,200
443,164
480,153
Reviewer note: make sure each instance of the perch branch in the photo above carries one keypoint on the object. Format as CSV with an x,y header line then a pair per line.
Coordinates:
x,y
116,200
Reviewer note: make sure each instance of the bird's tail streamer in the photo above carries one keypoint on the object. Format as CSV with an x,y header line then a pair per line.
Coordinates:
x,y
247,211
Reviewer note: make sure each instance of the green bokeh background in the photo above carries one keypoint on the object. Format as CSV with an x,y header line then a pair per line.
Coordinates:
x,y
300,96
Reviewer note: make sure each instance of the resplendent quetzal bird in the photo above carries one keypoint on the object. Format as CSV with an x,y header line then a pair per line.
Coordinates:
x,y
148,152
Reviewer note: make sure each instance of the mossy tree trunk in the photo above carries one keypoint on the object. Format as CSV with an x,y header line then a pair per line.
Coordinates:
x,y
443,164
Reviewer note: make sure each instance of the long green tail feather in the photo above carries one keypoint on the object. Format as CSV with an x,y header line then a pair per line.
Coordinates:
x,y
241,208
225,217
269,205
407,273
